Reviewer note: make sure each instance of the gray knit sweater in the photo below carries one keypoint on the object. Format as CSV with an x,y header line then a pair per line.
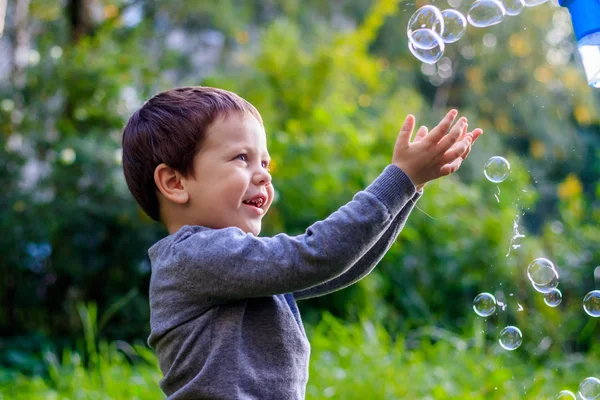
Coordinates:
x,y
223,315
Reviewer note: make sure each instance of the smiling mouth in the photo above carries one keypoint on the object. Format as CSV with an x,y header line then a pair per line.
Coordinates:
x,y
255,203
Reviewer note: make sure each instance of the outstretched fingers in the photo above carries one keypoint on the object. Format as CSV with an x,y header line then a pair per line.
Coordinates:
x,y
458,150
451,167
458,132
440,130
475,134
403,139
421,133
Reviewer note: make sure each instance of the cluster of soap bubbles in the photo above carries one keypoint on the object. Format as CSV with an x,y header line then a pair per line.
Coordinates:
x,y
429,29
544,278
484,305
589,389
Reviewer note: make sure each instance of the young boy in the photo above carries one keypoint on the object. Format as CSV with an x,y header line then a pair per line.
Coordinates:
x,y
223,314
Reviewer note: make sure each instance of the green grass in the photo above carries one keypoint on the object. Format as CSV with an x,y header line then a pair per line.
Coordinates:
x,y
348,361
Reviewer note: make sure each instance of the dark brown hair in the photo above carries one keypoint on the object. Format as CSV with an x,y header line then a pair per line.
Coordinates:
x,y
170,128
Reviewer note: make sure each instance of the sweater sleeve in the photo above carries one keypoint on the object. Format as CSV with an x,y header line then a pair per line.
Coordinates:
x,y
367,262
228,264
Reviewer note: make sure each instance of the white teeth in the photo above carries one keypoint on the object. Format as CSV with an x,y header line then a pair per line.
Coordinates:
x,y
258,202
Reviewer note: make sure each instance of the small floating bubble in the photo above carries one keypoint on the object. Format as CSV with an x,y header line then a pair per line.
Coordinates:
x,y
483,13
543,275
553,298
496,169
589,388
455,25
484,304
565,395
510,338
591,303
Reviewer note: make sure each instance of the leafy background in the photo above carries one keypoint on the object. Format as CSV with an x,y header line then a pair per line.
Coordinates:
x,y
333,81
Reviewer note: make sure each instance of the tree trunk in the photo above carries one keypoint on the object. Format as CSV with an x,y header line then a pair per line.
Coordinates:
x,y
80,14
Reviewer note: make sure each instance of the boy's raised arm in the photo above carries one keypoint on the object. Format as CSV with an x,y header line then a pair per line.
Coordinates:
x,y
228,264
370,259
367,262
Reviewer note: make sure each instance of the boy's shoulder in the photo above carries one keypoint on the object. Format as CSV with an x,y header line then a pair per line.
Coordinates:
x,y
200,234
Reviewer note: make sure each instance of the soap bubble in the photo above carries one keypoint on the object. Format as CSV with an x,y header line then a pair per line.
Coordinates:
x,y
510,338
496,169
545,288
565,395
543,275
431,55
553,297
513,7
424,39
425,18
591,303
484,13
484,304
589,388
533,3
455,25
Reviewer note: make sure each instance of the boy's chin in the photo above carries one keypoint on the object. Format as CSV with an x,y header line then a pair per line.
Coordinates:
x,y
254,230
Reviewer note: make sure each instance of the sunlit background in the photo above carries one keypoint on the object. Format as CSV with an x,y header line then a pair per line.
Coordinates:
x,y
333,81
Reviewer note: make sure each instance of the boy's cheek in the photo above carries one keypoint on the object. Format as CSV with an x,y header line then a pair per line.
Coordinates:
x,y
271,194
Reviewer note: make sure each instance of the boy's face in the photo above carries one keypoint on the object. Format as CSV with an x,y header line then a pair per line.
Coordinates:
x,y
231,167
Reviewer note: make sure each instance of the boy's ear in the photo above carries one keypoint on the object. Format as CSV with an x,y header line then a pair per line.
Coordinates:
x,y
168,181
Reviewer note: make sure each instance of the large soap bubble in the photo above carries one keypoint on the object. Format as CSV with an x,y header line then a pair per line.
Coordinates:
x,y
510,338
591,303
496,169
455,25
430,55
589,388
543,275
424,38
483,13
426,18
484,304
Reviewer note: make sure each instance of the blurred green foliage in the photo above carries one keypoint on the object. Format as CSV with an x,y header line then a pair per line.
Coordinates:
x,y
333,81
348,361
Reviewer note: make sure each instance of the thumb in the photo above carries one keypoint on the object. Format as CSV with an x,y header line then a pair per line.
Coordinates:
x,y
405,132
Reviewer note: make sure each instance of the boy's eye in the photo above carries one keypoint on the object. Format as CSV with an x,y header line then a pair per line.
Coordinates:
x,y
243,155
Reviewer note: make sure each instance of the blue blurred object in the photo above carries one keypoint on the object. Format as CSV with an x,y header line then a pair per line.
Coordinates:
x,y
585,15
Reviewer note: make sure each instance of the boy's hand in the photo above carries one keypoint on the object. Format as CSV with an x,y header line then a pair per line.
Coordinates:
x,y
433,154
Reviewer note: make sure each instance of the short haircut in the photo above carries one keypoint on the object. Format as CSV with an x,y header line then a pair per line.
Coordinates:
x,y
170,128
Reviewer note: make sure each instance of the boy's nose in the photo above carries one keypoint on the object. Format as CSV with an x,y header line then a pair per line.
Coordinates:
x,y
262,177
